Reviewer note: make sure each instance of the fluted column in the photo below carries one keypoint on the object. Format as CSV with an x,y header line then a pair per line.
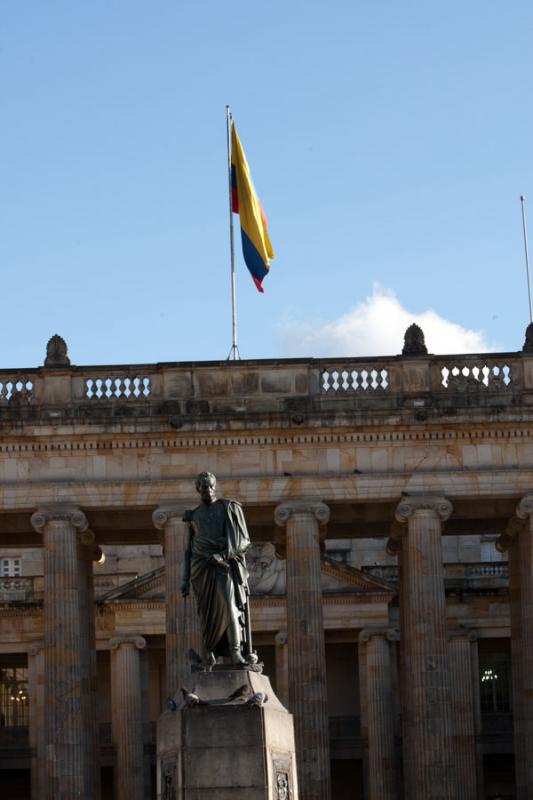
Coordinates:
x,y
518,539
379,714
282,668
464,713
127,717
68,764
89,555
307,652
426,714
182,624
36,719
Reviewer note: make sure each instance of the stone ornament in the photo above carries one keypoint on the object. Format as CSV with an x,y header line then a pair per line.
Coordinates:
x,y
56,353
411,505
528,344
508,537
266,570
305,507
71,514
414,343
282,786
524,508
135,641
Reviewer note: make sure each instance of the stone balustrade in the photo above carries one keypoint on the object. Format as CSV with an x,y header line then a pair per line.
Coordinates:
x,y
416,385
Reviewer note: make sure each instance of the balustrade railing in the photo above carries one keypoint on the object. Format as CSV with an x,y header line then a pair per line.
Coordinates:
x,y
199,388
479,572
350,378
119,387
16,387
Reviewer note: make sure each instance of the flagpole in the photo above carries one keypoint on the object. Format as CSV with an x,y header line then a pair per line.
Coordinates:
x,y
524,228
234,354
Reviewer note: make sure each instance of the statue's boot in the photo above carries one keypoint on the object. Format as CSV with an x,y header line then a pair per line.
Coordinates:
x,y
234,642
210,661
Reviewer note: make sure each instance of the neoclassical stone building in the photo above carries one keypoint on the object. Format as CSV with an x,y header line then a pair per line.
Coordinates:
x,y
389,501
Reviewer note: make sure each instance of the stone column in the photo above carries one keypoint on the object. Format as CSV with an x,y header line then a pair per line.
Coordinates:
x,y
68,758
379,714
127,718
518,538
464,713
182,624
36,719
89,555
282,668
426,713
307,652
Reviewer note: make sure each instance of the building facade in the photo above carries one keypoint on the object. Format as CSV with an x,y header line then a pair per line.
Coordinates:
x,y
389,502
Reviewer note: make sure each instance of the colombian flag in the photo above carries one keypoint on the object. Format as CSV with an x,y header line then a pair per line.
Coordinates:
x,y
256,246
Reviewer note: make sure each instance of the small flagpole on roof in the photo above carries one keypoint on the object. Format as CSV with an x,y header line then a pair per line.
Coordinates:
x,y
234,354
524,228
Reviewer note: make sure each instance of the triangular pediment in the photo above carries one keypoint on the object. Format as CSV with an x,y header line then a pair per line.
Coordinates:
x,y
267,578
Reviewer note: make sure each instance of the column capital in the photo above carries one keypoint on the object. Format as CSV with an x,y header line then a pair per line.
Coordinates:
x,y
463,633
135,641
170,513
390,634
310,506
61,512
512,529
280,638
524,508
91,551
35,647
414,504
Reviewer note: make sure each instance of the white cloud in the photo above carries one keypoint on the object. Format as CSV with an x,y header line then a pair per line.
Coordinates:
x,y
376,326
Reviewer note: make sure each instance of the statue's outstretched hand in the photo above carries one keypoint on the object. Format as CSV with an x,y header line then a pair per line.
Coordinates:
x,y
185,588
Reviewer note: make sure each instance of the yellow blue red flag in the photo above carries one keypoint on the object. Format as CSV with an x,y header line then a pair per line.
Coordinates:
x,y
256,247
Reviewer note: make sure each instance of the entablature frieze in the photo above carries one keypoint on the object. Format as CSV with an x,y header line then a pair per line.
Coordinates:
x,y
52,443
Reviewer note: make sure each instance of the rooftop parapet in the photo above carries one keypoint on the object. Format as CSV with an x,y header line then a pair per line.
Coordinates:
x,y
413,386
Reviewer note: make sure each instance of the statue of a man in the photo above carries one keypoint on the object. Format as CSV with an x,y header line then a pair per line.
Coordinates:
x,y
216,568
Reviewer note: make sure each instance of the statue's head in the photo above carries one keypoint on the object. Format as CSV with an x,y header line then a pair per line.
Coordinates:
x,y
206,484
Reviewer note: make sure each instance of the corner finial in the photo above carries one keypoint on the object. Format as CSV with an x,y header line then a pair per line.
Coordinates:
x,y
528,344
414,343
56,353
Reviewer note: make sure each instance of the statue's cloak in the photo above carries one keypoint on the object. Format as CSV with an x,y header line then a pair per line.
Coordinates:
x,y
220,591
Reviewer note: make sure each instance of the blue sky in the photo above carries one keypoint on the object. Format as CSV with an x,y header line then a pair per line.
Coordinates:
x,y
389,143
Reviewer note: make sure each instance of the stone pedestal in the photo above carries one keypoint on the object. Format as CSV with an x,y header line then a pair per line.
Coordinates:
x,y
230,739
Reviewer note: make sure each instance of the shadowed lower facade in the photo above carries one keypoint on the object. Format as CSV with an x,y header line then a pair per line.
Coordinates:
x,y
389,503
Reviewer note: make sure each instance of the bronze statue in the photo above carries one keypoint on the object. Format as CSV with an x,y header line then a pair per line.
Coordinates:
x,y
216,568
